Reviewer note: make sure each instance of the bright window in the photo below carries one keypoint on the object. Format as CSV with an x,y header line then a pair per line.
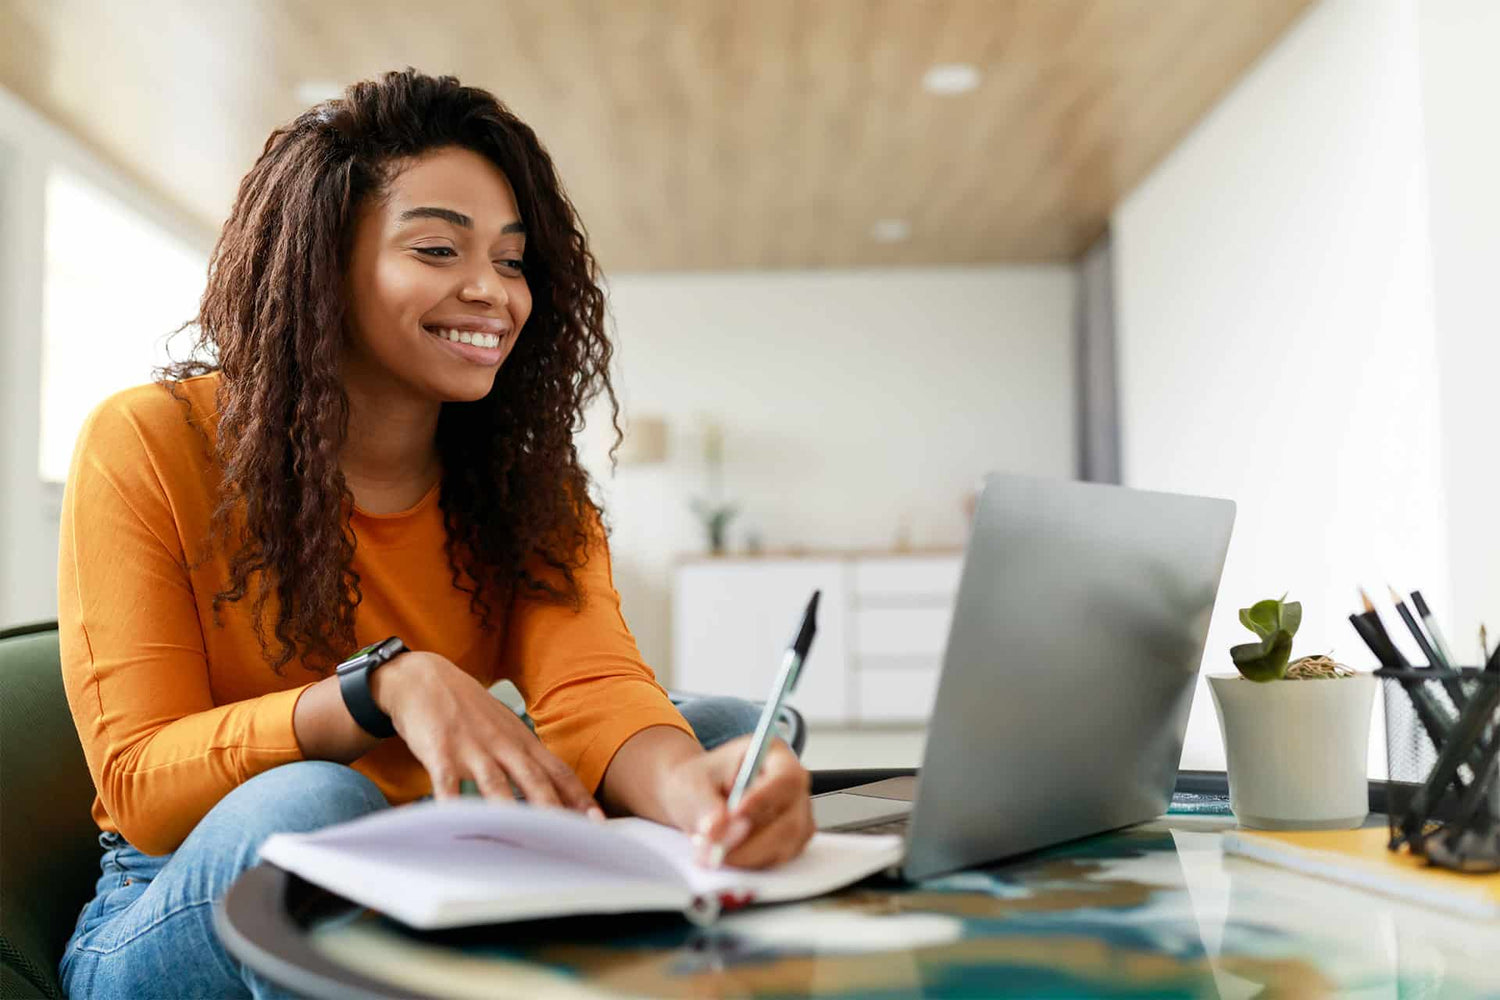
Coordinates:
x,y
115,287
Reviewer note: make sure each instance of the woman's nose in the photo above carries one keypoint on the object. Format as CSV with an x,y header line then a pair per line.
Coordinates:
x,y
484,286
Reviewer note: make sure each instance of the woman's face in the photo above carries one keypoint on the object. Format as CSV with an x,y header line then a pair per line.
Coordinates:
x,y
436,291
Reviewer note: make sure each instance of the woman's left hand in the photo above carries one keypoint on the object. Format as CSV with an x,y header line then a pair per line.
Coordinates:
x,y
773,821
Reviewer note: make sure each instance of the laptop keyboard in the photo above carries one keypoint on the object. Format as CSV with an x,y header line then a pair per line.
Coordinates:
x,y
898,825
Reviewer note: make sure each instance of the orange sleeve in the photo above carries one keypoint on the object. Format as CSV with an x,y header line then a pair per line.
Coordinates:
x,y
160,752
585,684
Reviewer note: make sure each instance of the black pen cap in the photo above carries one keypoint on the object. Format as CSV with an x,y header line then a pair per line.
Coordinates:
x,y
809,626
1422,608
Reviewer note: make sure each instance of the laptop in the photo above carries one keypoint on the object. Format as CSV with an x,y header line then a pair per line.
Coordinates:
x,y
1069,670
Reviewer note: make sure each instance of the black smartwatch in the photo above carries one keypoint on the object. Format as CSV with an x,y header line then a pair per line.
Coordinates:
x,y
354,685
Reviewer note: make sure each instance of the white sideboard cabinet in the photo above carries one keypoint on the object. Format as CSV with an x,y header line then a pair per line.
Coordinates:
x,y
882,624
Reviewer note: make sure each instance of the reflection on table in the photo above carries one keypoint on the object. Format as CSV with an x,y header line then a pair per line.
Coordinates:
x,y
1157,910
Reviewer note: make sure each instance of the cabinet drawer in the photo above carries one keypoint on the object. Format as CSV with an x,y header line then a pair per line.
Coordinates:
x,y
731,623
901,631
895,694
932,577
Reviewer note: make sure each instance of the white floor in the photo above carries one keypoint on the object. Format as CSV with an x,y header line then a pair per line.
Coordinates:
x,y
832,748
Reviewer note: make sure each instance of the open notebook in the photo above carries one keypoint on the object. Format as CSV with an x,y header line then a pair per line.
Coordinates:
x,y
473,861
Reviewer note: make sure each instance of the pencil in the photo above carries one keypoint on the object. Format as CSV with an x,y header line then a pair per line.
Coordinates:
x,y
1392,656
1389,656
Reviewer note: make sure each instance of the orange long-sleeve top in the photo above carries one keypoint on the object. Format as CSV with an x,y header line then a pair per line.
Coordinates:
x,y
175,711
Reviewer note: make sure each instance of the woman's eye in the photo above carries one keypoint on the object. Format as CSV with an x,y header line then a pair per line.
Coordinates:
x,y
436,251
514,264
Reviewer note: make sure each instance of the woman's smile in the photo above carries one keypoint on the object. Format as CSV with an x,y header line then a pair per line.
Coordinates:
x,y
483,342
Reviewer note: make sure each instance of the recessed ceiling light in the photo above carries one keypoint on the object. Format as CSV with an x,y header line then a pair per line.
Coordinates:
x,y
312,92
951,78
890,230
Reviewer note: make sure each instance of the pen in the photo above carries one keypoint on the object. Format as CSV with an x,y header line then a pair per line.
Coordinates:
x,y
1434,658
1430,620
786,680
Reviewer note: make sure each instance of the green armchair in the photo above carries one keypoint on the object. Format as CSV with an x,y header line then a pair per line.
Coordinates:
x,y
49,845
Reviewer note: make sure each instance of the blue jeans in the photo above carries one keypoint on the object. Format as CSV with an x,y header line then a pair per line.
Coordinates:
x,y
148,931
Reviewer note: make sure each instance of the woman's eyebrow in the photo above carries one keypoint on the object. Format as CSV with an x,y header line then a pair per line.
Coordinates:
x,y
457,218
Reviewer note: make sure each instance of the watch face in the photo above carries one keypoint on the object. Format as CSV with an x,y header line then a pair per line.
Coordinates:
x,y
358,660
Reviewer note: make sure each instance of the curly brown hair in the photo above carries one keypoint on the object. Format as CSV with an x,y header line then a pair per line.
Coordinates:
x,y
272,322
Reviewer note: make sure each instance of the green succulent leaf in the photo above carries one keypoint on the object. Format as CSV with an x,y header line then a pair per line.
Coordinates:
x,y
1265,660
1291,617
1263,618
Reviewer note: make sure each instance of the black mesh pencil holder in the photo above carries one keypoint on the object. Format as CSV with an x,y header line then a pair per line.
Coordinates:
x,y
1442,735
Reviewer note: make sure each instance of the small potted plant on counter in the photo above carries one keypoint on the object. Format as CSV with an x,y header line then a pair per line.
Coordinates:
x,y
1296,732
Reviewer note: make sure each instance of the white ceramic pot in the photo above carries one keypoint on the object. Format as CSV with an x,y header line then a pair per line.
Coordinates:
x,y
1296,750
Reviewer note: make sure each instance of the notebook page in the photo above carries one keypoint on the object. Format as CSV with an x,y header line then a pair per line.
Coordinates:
x,y
830,861
471,881
441,863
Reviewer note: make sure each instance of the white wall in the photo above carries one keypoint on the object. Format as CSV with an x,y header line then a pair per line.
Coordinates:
x,y
29,145
1460,81
1277,340
850,400
28,535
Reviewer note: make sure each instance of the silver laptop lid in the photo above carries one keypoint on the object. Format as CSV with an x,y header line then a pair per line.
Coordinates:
x,y
1075,645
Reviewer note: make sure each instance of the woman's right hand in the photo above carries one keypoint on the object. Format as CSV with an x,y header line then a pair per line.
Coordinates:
x,y
457,730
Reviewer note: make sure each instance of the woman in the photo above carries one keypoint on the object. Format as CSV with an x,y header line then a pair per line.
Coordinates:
x,y
405,326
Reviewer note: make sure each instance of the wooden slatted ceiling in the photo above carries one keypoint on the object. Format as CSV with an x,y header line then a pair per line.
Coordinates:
x,y
692,134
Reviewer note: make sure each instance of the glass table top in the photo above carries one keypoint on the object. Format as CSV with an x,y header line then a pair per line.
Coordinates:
x,y
1157,910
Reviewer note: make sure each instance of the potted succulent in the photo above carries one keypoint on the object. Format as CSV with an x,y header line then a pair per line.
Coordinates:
x,y
714,511
1296,732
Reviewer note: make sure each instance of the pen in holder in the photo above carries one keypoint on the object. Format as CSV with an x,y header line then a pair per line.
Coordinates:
x,y
1442,740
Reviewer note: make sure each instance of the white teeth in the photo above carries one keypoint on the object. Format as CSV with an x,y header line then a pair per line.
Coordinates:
x,y
469,337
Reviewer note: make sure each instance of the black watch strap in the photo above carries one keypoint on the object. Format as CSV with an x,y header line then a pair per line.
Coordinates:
x,y
354,685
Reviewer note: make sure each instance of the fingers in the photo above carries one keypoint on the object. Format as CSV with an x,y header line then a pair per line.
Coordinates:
x,y
490,778
778,841
568,787
539,776
773,821
445,783
459,731
505,760
530,777
782,781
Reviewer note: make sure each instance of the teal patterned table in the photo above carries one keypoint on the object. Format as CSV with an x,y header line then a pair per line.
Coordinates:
x,y
1155,911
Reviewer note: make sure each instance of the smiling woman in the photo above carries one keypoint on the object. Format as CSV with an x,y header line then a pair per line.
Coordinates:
x,y
439,263
369,464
